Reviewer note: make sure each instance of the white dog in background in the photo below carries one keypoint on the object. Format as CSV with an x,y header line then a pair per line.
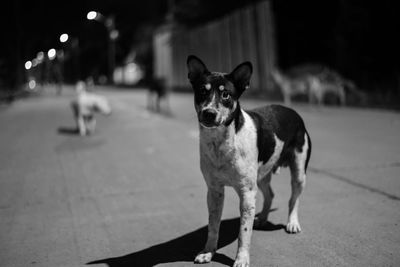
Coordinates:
x,y
315,82
85,105
291,86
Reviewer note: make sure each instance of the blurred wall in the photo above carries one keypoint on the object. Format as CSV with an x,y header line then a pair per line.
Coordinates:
x,y
244,35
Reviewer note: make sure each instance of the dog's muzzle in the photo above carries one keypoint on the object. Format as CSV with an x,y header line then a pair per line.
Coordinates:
x,y
208,117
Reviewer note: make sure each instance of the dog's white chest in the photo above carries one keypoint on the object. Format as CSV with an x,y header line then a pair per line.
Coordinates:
x,y
228,157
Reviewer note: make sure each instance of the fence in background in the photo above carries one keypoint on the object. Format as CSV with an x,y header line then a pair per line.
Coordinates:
x,y
244,35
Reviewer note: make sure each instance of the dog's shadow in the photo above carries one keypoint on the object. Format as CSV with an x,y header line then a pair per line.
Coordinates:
x,y
68,130
183,248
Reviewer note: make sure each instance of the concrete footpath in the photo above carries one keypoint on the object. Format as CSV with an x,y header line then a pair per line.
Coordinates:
x,y
133,195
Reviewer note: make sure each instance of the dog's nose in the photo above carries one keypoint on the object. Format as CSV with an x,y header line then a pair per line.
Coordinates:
x,y
209,115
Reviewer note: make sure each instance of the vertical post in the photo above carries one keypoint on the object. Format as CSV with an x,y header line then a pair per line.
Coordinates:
x,y
76,70
272,53
112,36
260,64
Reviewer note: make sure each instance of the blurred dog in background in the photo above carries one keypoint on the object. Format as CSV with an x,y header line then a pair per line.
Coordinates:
x,y
314,81
327,82
158,94
290,86
85,105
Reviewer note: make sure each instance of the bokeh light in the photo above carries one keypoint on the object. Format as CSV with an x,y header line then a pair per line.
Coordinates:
x,y
35,62
28,65
91,15
32,84
114,34
40,56
64,38
51,54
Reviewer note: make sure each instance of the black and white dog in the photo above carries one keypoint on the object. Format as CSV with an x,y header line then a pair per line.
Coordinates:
x,y
242,149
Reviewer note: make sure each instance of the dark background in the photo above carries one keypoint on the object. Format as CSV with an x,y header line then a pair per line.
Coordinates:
x,y
358,38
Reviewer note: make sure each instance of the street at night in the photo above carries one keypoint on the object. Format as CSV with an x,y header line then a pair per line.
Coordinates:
x,y
129,134
132,194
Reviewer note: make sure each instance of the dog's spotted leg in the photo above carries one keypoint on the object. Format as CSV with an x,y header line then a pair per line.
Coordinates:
x,y
247,212
215,203
298,181
81,125
265,187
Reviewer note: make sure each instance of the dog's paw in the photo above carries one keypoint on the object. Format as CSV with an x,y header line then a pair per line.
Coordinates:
x,y
203,257
242,260
293,227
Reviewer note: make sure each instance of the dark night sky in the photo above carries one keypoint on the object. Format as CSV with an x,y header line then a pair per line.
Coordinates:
x,y
355,36
31,26
42,21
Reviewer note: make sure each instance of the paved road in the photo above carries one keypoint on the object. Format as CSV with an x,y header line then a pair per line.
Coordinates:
x,y
132,194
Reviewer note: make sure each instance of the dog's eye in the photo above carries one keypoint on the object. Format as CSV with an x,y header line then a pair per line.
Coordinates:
x,y
225,95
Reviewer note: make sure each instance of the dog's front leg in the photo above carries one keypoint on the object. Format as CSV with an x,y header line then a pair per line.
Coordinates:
x,y
81,125
247,212
215,203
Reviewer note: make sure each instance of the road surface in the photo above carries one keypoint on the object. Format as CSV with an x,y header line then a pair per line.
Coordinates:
x,y
133,195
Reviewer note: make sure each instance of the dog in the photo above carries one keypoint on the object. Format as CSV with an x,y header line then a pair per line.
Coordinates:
x,y
85,105
242,149
328,82
314,81
291,86
158,93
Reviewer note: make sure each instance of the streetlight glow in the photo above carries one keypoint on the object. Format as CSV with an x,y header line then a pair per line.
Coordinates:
x,y
63,38
51,54
28,65
34,62
91,15
114,34
40,56
32,84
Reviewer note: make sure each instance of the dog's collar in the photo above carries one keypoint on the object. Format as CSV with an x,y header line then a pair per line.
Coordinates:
x,y
237,117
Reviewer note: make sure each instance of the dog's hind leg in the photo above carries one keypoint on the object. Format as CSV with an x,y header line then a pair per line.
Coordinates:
x,y
298,181
215,203
150,100
264,184
90,125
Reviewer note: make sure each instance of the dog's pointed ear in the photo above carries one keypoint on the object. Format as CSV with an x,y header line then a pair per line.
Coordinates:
x,y
241,75
196,68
